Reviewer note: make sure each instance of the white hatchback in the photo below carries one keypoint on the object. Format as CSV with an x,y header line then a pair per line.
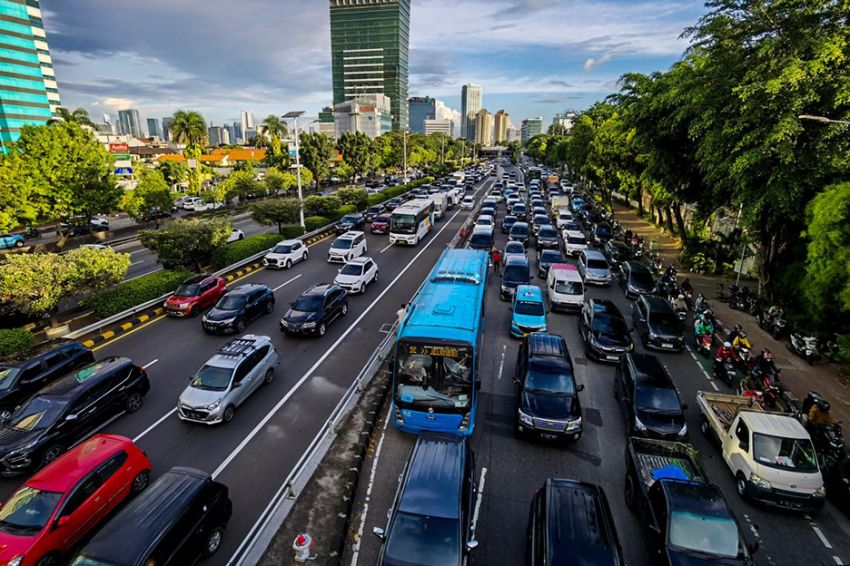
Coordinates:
x,y
468,203
285,254
355,275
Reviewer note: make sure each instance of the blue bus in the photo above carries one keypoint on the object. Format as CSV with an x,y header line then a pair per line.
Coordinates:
x,y
435,374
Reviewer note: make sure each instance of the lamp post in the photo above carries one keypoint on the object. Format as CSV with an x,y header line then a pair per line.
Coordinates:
x,y
294,115
823,119
404,138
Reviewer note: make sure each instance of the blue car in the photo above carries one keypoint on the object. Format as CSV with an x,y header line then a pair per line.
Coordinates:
x,y
8,241
528,313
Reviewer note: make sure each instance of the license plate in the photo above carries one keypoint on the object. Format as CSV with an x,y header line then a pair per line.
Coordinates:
x,y
612,358
668,346
548,435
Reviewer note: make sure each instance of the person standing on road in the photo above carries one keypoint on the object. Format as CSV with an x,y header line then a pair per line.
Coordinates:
x,y
496,258
401,312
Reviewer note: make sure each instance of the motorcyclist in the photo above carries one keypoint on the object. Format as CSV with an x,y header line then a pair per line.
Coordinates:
x,y
725,352
773,312
687,287
819,413
764,364
679,304
702,325
741,341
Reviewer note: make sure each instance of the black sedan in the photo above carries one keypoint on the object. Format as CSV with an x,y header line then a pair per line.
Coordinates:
x,y
636,279
315,310
394,203
236,308
650,402
604,330
507,222
375,211
657,324
350,222
546,258
547,237
616,252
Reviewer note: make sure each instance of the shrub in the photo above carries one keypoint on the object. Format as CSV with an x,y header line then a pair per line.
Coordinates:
x,y
316,205
13,340
135,292
239,250
289,231
316,222
357,197
345,209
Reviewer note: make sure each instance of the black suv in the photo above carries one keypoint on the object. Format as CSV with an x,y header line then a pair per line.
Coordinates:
x,y
348,222
69,410
236,308
545,258
616,252
315,309
178,519
571,523
635,279
650,401
547,237
547,400
657,324
26,372
514,274
604,330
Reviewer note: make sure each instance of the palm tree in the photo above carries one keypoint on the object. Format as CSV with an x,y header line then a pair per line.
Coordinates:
x,y
79,116
274,129
189,127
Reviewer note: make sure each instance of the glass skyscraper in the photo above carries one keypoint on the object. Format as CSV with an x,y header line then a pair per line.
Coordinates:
x,y
421,108
369,52
28,90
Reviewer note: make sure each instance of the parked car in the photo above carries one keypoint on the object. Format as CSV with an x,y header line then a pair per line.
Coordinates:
x,y
381,224
69,498
195,294
227,379
571,523
650,401
528,313
594,268
8,241
285,254
347,247
546,401
430,521
26,372
66,411
190,202
514,274
235,235
604,330
657,324
545,258
547,238
180,518
636,279
237,308
350,222
357,274
315,310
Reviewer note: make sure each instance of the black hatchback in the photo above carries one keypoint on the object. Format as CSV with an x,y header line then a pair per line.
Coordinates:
x,y
635,279
354,221
315,310
650,401
68,411
236,308
657,324
24,373
604,330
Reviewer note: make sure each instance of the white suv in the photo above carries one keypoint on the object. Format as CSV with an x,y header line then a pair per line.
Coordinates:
x,y
286,253
574,243
347,247
355,275
468,203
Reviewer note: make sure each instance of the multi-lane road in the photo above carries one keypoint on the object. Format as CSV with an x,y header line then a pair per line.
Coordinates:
x,y
510,469
255,452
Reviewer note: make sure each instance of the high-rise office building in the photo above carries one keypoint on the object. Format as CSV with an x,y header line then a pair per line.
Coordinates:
x,y
421,108
500,127
238,133
326,122
153,128
230,130
471,101
215,135
565,119
247,122
129,122
483,127
28,90
439,127
166,128
369,52
531,127
370,114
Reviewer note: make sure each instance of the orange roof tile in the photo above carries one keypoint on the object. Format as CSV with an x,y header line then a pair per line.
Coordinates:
x,y
171,157
213,158
246,155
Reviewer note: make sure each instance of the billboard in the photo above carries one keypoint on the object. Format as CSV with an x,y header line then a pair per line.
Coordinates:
x,y
119,148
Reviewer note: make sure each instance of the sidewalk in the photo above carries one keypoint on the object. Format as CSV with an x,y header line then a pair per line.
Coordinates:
x,y
797,376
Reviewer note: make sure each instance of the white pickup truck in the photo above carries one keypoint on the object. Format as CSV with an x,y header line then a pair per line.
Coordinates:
x,y
771,455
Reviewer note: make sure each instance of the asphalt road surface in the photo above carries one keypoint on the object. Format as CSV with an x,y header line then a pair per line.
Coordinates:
x,y
255,452
511,470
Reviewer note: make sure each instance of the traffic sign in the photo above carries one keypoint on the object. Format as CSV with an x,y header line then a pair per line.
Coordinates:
x,y
124,171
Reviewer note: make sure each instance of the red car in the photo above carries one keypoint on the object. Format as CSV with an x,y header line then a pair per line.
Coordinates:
x,y
68,498
381,224
194,295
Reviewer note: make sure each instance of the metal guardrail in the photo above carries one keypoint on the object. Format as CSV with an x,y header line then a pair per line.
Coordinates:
x,y
259,537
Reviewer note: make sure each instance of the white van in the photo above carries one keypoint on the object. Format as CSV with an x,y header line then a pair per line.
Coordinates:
x,y
564,288
441,204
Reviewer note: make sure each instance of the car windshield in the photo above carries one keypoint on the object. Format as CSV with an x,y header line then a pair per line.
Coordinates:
x,y
547,233
480,240
212,378
716,535
551,256
375,209
576,240
485,220
404,223
607,324
418,539
795,454
640,277
39,413
549,378
597,264
382,218
309,303
514,248
28,509
352,269
666,321
282,249
657,400
349,219
518,208
569,287
516,273
434,376
342,244
603,230
519,231
8,376
188,290
529,308
231,302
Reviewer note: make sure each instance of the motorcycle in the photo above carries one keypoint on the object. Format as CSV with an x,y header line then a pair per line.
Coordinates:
x,y
725,371
805,346
747,391
827,438
655,263
742,299
744,356
704,344
775,325
32,233
769,390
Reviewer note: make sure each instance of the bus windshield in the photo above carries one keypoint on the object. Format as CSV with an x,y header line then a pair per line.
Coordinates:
x,y
434,376
403,223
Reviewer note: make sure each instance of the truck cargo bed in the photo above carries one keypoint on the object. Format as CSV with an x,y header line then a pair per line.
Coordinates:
x,y
650,456
722,408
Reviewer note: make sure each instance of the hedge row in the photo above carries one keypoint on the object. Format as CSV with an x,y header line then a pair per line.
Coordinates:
x,y
392,192
315,222
239,250
291,231
137,291
13,340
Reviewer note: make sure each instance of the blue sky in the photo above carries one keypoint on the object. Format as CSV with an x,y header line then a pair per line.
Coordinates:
x,y
533,57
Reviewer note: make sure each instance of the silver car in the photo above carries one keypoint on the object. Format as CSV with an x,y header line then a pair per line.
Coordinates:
x,y
228,378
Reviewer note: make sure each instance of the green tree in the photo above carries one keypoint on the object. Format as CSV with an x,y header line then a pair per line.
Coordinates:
x,y
35,284
276,212
277,181
241,184
151,193
22,203
321,206
356,149
79,116
344,171
315,150
187,242
188,127
827,281
173,172
357,197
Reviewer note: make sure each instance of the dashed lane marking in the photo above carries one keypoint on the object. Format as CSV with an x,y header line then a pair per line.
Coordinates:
x,y
155,424
386,248
149,364
821,537
286,283
478,500
502,363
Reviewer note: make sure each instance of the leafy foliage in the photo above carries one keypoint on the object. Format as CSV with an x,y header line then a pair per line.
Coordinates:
x,y
152,192
315,151
276,212
241,184
241,249
357,197
827,282
140,290
13,340
187,242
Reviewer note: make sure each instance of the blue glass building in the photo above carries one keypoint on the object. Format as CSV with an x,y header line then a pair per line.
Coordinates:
x,y
421,108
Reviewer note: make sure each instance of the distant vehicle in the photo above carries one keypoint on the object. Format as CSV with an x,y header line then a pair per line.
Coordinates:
x,y
285,254
481,238
374,211
357,274
394,203
616,252
350,222
547,238
546,258
195,294
468,203
507,222
604,330
513,249
520,211
441,204
381,224
236,308
347,247
227,379
519,233
204,206
235,235
315,310
514,274
412,222
635,279
188,203
650,401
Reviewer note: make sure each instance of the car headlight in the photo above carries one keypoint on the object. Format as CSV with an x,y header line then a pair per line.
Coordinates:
x,y
165,304
653,335
819,492
183,306
16,561
639,425
504,289
214,405
309,325
684,430
526,419
760,482
574,424
399,418
464,424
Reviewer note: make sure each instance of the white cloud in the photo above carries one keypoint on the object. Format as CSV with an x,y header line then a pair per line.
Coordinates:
x,y
443,112
591,63
117,103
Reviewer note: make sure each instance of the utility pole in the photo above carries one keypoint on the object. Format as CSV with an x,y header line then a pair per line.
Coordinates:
x,y
294,115
404,137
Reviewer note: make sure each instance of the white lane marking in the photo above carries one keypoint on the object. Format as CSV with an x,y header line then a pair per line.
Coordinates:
x,y
355,548
478,500
256,430
386,248
137,251
821,537
502,363
714,385
149,364
137,262
154,425
287,282
837,560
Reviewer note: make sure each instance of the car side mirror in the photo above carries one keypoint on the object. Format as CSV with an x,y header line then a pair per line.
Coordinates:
x,y
471,545
237,385
684,406
580,387
63,521
292,304
379,532
71,417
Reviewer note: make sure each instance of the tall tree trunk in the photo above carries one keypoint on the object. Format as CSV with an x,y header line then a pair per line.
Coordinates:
x,y
640,202
680,221
669,218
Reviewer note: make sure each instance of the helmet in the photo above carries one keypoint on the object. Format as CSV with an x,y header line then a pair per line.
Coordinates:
x,y
727,344
743,334
738,328
823,405
681,297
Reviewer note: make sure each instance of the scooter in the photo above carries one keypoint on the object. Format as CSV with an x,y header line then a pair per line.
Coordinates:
x,y
804,346
744,357
827,438
775,325
704,344
725,371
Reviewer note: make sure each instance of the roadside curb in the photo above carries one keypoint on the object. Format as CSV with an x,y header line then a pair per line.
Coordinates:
x,y
122,328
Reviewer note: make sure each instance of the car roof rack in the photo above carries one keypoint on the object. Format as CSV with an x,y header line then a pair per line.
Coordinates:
x,y
237,347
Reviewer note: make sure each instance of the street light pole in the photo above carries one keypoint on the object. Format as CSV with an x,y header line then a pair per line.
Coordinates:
x,y
294,115
404,136
823,120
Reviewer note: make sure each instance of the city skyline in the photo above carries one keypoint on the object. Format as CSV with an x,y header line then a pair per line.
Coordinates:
x,y
573,64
